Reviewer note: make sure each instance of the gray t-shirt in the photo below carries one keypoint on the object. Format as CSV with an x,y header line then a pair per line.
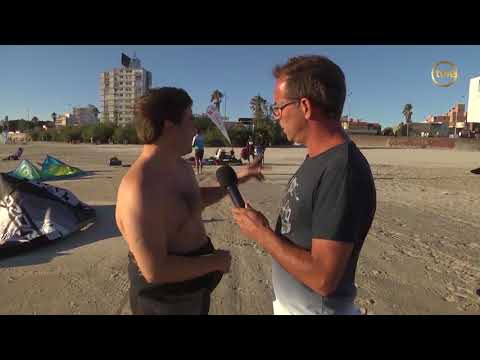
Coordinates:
x,y
331,196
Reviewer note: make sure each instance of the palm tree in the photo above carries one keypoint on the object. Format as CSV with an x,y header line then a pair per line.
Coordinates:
x,y
407,112
54,117
258,105
216,98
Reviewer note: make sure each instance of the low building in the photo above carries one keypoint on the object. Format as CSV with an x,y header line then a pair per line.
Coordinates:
x,y
420,129
233,124
63,120
356,126
247,122
439,129
432,119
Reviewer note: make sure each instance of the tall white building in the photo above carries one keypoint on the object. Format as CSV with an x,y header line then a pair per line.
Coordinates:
x,y
119,88
473,113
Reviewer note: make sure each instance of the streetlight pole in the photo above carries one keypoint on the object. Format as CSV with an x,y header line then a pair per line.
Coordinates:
x,y
349,97
465,124
225,106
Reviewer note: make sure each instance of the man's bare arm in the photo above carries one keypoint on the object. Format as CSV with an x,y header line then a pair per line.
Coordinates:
x,y
144,227
214,193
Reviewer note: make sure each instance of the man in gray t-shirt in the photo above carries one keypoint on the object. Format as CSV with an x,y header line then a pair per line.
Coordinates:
x,y
330,202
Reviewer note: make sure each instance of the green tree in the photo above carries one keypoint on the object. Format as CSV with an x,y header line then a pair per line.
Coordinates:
x,y
203,122
23,125
213,137
277,134
60,135
87,133
131,135
101,132
239,135
400,129
72,133
35,134
258,105
407,113
125,134
388,131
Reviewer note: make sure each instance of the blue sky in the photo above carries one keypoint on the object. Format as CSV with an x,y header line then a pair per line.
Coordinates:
x,y
381,79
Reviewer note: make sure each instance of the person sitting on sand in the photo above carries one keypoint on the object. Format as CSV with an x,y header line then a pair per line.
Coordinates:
x,y
173,267
220,155
16,155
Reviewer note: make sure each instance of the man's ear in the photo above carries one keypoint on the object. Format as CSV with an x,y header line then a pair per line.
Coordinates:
x,y
306,107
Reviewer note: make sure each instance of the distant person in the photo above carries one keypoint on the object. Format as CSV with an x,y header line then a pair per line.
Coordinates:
x,y
220,155
16,155
173,267
198,144
330,202
244,154
258,151
250,149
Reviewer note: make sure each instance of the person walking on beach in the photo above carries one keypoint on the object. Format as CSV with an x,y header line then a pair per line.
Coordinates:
x,y
330,201
173,266
250,149
198,145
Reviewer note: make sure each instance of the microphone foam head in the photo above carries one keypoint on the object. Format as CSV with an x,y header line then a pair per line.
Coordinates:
x,y
226,176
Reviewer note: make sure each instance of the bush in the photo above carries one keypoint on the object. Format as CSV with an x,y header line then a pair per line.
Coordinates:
x,y
279,137
128,134
239,136
214,138
262,136
72,134
203,122
87,133
35,135
388,131
100,132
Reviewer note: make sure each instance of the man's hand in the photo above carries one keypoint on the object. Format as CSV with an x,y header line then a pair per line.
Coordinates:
x,y
253,224
224,260
254,170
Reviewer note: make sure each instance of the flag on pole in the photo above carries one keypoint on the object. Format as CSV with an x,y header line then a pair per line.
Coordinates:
x,y
215,116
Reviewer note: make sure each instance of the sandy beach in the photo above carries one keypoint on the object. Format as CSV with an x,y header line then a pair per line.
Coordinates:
x,y
422,255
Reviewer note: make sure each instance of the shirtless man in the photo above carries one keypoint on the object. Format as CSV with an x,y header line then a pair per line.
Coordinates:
x,y
173,267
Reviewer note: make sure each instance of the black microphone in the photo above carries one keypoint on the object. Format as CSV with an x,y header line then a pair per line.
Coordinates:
x,y
227,179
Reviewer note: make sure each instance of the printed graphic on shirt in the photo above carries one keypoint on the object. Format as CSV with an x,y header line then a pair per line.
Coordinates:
x,y
286,210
